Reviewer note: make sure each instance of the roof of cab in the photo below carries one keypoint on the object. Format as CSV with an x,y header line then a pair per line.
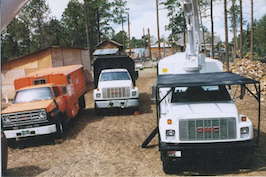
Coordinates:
x,y
37,86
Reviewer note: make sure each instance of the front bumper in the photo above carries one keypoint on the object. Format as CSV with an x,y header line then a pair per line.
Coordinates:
x,y
30,131
208,148
124,103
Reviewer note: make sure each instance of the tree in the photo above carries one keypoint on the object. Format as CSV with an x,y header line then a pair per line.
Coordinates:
x,y
37,12
252,31
74,25
234,18
99,15
260,35
119,38
137,43
177,22
119,17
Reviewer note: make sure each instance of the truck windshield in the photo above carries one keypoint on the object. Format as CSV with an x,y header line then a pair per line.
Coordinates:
x,y
111,76
34,94
200,94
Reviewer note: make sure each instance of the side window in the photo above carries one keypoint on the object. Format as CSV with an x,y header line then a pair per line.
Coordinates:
x,y
68,79
64,89
56,91
39,81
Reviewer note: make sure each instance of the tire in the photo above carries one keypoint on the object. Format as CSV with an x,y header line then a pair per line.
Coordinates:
x,y
246,160
167,165
12,143
96,110
82,105
60,128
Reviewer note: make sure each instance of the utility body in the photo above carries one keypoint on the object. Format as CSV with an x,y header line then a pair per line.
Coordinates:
x,y
115,83
44,101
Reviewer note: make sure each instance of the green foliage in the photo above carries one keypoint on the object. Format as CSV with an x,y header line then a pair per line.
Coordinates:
x,y
260,36
118,38
176,19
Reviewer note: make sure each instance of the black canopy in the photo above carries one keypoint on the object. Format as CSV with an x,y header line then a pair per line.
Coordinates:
x,y
202,79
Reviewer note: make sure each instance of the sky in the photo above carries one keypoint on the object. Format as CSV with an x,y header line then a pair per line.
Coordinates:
x,y
142,15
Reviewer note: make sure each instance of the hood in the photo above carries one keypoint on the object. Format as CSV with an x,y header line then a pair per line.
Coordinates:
x,y
19,107
117,83
192,109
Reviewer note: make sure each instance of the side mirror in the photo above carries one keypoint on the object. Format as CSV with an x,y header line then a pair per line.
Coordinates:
x,y
64,90
136,74
242,91
153,93
6,99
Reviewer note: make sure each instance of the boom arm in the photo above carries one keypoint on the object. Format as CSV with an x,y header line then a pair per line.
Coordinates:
x,y
193,56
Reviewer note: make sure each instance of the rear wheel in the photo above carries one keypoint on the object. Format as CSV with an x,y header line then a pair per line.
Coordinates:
x,y
82,105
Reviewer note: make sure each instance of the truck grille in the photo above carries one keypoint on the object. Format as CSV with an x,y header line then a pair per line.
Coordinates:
x,y
116,92
24,118
207,129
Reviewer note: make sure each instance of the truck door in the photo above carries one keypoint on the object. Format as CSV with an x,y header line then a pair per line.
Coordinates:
x,y
59,98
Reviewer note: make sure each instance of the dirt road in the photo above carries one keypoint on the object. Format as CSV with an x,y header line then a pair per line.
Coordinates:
x,y
109,145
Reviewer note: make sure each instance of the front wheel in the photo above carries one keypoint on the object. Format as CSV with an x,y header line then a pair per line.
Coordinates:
x,y
60,128
12,143
59,131
167,165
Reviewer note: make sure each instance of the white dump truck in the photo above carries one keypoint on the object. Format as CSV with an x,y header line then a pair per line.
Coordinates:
x,y
196,115
115,83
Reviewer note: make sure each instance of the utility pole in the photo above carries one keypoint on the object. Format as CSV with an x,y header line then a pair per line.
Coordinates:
x,y
123,40
149,44
144,46
129,43
241,30
226,36
158,31
86,27
212,38
251,35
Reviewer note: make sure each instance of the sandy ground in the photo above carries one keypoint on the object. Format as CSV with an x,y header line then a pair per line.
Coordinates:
x,y
109,144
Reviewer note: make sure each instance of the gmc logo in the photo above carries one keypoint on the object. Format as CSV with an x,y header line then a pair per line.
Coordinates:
x,y
208,129
115,93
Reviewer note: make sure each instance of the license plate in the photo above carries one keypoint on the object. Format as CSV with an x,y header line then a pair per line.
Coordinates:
x,y
25,132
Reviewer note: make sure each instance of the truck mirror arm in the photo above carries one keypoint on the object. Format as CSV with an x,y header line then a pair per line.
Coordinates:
x,y
169,91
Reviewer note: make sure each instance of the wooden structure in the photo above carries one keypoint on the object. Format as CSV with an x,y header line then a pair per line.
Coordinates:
x,y
46,58
108,47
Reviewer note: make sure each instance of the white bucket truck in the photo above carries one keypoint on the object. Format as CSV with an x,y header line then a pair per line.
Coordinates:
x,y
115,83
195,112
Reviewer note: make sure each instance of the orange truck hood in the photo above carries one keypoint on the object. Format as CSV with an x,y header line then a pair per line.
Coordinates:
x,y
19,107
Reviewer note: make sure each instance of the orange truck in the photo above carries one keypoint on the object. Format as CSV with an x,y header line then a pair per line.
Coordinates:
x,y
44,102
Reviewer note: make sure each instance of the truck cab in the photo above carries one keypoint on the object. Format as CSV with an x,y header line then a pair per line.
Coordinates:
x,y
33,111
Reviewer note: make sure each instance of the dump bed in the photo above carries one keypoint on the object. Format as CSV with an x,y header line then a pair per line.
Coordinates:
x,y
110,62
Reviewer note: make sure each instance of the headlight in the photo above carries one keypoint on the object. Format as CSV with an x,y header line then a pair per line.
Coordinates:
x,y
134,93
42,115
6,119
170,132
98,95
244,132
